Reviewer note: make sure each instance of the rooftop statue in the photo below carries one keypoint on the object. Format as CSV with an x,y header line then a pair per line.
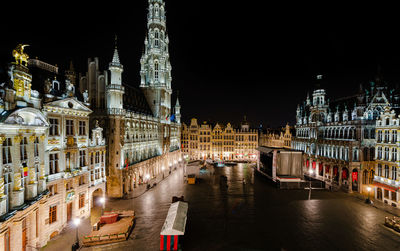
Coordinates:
x,y
19,54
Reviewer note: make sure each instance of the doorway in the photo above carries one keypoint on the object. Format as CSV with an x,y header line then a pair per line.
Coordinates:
x,y
69,211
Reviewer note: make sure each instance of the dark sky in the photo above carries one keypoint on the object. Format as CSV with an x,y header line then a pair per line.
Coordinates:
x,y
229,58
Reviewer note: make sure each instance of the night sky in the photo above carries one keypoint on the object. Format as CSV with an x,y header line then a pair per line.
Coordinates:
x,y
229,58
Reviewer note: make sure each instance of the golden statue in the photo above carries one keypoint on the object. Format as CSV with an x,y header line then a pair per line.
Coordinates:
x,y
19,55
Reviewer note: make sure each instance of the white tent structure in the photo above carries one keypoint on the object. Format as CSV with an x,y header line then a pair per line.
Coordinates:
x,y
175,222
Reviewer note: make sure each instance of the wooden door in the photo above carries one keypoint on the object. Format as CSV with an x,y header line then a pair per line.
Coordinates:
x,y
69,211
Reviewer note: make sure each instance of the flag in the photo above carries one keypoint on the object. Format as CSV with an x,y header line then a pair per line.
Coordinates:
x,y
167,117
173,118
126,161
25,171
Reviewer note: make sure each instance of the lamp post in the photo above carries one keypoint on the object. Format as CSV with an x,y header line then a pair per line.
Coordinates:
x,y
368,201
77,221
103,202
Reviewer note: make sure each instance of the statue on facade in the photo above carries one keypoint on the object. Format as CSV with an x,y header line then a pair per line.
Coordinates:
x,y
70,89
47,86
86,96
19,54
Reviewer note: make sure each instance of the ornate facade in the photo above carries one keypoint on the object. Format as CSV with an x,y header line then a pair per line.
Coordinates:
x,y
46,178
281,139
386,178
338,138
141,126
218,142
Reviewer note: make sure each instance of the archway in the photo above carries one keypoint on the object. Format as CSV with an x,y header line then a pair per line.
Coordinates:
x,y
96,206
354,180
379,193
336,174
345,176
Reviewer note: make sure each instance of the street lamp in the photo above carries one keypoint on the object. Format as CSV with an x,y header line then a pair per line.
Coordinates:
x,y
368,201
77,221
309,192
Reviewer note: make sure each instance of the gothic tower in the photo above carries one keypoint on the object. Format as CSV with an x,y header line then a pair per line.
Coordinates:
x,y
115,112
155,65
177,111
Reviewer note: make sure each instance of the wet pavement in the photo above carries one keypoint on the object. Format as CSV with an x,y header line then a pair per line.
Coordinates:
x,y
255,216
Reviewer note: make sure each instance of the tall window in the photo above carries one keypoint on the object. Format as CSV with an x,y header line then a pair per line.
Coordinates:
x,y
371,176
156,39
69,127
82,158
379,136
97,158
6,149
379,170
156,69
394,136
379,153
81,200
386,171
52,214
53,130
53,163
386,136
82,127
394,154
36,146
386,153
23,144
394,173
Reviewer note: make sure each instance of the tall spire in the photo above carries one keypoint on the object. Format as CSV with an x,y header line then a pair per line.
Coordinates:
x,y
115,60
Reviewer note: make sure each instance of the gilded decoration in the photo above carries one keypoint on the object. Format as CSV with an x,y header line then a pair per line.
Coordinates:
x,y
17,139
32,175
17,182
1,187
2,139
19,54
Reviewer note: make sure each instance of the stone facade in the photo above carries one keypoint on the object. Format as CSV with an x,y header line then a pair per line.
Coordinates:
x,y
386,176
338,141
141,128
281,138
218,142
46,177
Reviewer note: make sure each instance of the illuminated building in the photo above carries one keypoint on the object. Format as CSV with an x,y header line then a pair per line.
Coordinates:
x,y
386,178
338,138
219,142
142,128
281,138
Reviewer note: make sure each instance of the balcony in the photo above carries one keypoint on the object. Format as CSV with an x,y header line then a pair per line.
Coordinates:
x,y
114,87
116,111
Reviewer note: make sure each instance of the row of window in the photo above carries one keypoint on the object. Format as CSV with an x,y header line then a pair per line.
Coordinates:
x,y
6,149
386,172
95,158
54,129
387,153
389,136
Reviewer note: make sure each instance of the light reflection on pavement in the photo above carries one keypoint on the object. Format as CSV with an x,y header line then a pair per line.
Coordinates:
x,y
256,216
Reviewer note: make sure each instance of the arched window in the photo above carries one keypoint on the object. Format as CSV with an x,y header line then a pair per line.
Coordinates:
x,y
156,70
366,133
365,177
371,176
156,39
